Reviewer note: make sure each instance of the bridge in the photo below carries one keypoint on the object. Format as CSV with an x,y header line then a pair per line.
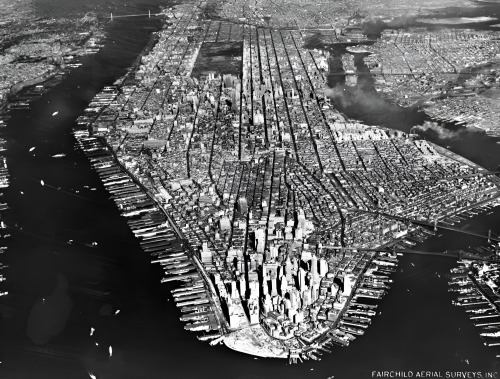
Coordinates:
x,y
456,254
436,224
149,14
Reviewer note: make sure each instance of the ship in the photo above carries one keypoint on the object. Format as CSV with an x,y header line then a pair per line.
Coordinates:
x,y
494,334
358,50
208,337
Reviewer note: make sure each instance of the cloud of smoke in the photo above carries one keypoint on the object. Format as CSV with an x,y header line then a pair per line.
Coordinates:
x,y
441,131
354,96
363,103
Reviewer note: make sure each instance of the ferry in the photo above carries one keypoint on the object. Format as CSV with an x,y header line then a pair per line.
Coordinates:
x,y
409,243
351,330
217,341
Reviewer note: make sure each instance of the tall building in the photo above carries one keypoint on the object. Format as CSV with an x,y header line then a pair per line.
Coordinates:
x,y
288,269
205,254
306,297
243,286
268,305
234,290
242,205
323,267
295,265
302,279
314,268
225,224
254,289
265,287
260,240
349,280
274,286
284,285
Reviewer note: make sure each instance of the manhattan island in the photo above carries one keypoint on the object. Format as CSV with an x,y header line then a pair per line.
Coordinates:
x,y
280,216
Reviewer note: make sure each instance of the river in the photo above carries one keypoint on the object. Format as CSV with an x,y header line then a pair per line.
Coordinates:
x,y
61,284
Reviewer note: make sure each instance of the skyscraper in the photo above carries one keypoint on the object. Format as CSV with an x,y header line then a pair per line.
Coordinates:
x,y
314,268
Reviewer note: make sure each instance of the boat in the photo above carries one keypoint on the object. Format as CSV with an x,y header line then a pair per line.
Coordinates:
x,y
216,341
208,337
493,334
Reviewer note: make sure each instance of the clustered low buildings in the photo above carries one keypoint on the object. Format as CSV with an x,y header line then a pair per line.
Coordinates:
x,y
285,14
478,110
282,201
457,69
418,62
49,47
13,74
323,15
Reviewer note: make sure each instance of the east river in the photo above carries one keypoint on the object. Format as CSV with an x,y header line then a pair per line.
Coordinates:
x,y
79,283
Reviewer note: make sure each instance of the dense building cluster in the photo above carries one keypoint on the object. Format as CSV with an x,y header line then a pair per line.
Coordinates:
x,y
283,203
456,69
32,52
325,14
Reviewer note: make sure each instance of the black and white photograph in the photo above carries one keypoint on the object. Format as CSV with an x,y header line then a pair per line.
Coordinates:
x,y
249,189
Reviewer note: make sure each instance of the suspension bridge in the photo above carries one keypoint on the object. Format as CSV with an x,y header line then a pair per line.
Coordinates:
x,y
149,14
456,254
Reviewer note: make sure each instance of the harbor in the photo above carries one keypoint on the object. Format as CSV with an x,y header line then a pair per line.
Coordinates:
x,y
151,226
477,294
268,252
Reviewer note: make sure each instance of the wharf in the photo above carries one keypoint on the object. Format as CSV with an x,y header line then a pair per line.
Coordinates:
x,y
235,179
148,222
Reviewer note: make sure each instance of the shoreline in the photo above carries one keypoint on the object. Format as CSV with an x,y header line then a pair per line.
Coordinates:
x,y
157,188
20,86
77,51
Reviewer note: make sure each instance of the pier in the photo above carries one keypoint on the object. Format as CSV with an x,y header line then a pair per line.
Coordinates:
x,y
159,234
214,184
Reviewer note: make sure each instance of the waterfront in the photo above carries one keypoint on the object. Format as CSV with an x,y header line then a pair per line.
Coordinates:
x,y
364,103
147,338
54,226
